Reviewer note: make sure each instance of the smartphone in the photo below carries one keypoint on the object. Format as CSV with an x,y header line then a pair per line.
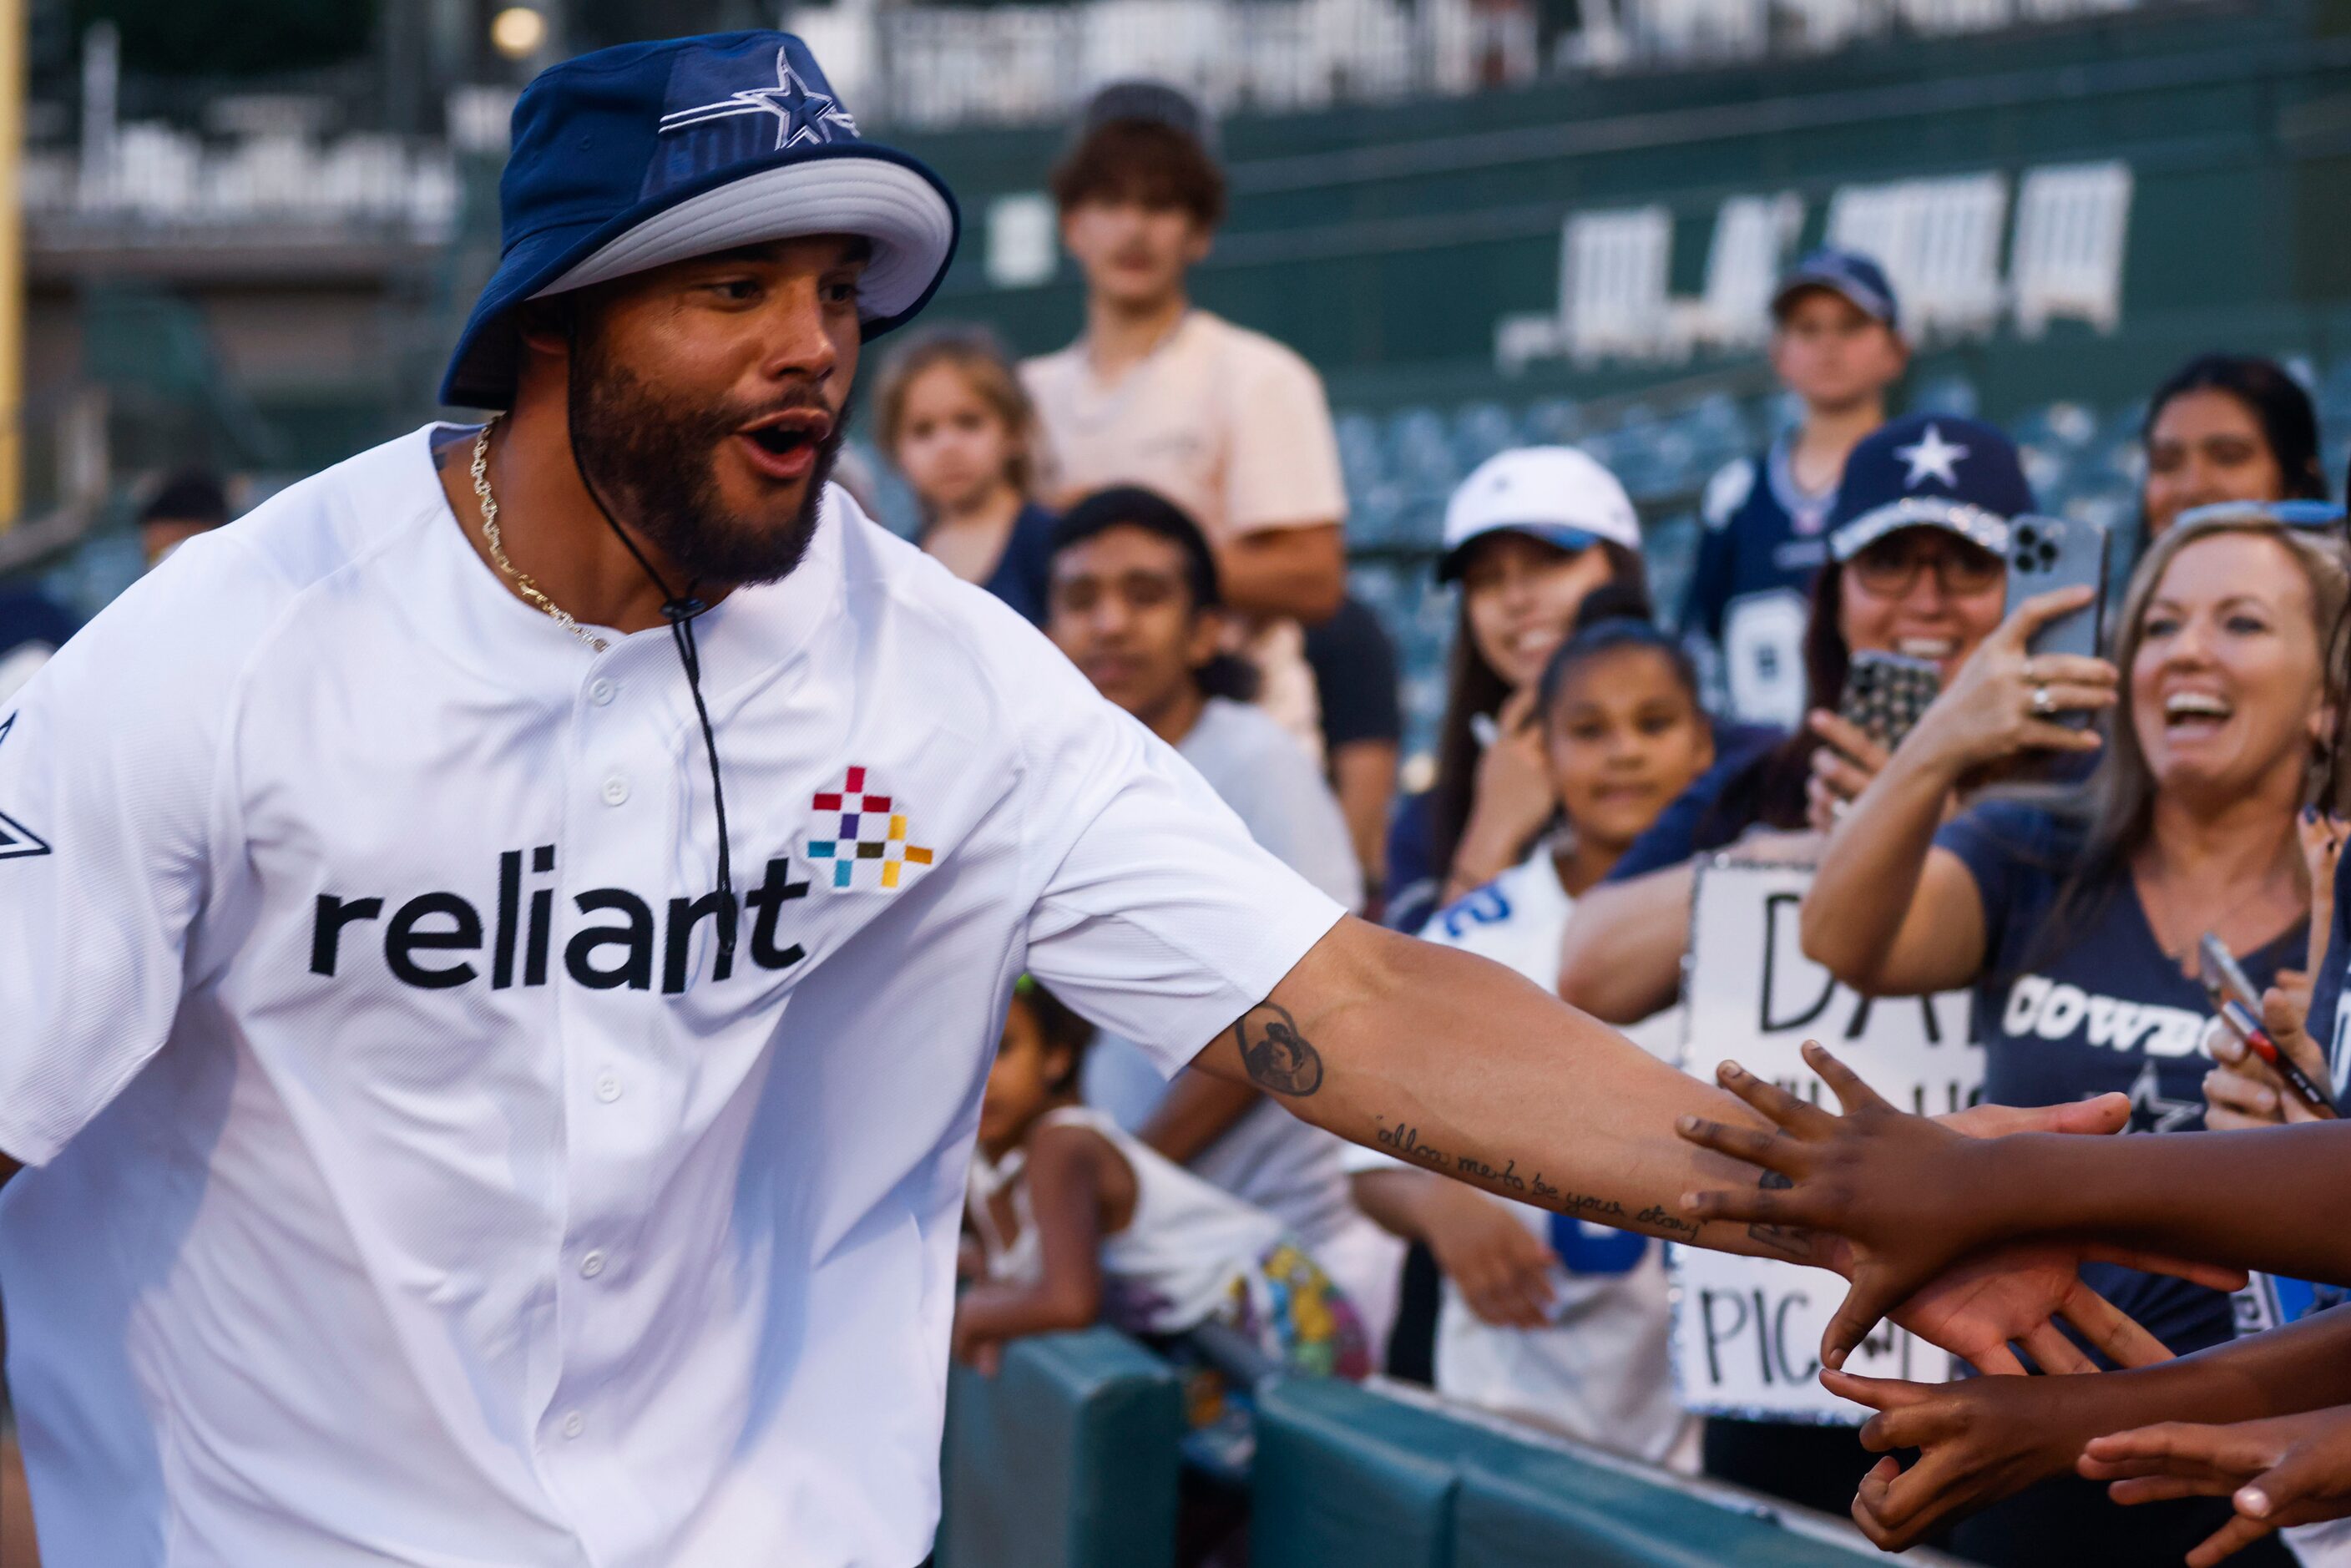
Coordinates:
x,y
2222,976
1885,693
2049,553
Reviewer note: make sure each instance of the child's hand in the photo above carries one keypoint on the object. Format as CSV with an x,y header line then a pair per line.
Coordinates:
x,y
1501,1269
2291,1469
1981,1439
1910,1199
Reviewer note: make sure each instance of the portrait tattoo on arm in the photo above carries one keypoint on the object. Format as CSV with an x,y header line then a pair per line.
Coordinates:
x,y
1277,1057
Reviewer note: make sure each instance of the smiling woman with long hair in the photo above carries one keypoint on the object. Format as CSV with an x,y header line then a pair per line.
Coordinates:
x,y
2075,917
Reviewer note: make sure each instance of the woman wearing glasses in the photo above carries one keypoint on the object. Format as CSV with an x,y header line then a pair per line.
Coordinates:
x,y
1910,571
1914,568
2076,919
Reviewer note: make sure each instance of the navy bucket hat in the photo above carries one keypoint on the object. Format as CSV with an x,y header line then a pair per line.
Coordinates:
x,y
630,158
1929,471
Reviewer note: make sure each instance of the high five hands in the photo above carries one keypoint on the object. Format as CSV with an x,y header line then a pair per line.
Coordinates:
x,y
1859,1178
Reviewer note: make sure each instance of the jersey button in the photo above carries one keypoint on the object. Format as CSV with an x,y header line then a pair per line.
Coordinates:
x,y
616,790
601,691
574,1424
591,1265
608,1089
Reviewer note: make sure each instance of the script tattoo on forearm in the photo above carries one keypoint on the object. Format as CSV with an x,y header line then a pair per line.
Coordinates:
x,y
1403,1140
1787,1239
1276,1056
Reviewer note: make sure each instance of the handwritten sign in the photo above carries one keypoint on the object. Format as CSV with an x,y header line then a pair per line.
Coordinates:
x,y
1747,1331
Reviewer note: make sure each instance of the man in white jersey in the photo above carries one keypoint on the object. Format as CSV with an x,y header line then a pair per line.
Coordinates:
x,y
495,1018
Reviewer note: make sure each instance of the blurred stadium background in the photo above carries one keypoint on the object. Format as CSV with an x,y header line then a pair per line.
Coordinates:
x,y
251,228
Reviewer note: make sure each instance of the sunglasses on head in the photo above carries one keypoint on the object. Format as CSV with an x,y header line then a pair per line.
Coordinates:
x,y
2296,514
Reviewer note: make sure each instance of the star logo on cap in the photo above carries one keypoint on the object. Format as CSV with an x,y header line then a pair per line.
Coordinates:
x,y
18,841
1931,458
802,114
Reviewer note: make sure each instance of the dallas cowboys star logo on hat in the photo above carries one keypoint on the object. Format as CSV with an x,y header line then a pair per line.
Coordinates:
x,y
1909,475
803,113
1932,458
18,841
643,154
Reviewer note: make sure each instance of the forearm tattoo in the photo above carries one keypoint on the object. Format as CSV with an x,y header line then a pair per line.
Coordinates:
x,y
1276,1056
1403,1140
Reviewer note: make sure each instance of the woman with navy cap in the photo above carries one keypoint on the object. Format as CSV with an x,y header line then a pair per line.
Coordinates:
x,y
1915,539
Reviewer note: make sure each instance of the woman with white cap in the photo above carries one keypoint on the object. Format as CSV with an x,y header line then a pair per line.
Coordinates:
x,y
1528,537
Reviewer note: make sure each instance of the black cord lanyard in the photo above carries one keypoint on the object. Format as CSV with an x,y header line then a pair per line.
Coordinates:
x,y
679,610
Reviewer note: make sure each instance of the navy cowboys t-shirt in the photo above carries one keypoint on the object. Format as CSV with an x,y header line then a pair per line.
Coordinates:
x,y
1750,590
2097,1007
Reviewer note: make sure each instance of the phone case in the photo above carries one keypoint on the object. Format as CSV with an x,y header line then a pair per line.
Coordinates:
x,y
2049,553
1885,693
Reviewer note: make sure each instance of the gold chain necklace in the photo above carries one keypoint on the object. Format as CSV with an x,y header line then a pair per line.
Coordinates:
x,y
523,584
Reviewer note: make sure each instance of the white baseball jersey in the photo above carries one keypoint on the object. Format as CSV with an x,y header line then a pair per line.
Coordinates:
x,y
415,1186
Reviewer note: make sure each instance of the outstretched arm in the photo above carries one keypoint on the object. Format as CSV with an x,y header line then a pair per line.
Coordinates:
x,y
1458,1066
1889,912
1621,955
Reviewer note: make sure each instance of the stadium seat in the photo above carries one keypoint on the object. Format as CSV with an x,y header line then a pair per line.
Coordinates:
x,y
1348,1475
1533,1507
1345,1476
1065,1459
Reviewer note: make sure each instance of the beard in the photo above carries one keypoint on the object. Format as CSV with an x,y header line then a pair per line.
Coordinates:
x,y
656,459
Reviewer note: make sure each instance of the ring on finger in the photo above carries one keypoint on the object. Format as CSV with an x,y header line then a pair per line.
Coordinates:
x,y
2043,703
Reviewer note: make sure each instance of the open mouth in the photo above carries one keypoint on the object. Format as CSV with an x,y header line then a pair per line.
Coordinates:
x,y
1936,649
785,445
2196,713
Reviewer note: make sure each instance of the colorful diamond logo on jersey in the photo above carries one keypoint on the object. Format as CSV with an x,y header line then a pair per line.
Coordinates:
x,y
18,841
869,831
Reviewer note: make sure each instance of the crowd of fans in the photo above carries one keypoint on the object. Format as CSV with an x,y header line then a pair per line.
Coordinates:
x,y
1163,499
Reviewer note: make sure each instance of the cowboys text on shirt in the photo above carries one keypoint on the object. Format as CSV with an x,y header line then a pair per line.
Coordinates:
x,y
2054,1011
